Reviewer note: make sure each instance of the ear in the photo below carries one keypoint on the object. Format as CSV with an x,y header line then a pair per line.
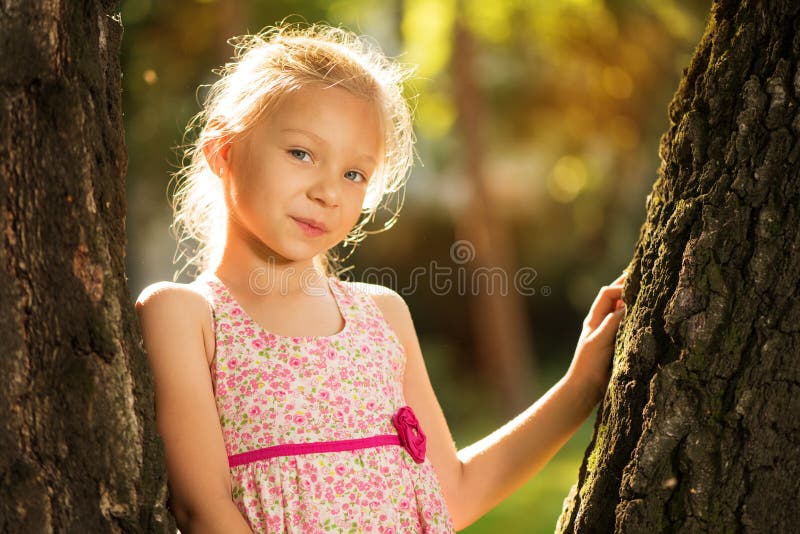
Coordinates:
x,y
216,144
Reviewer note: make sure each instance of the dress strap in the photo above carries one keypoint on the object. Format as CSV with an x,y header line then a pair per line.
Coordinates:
x,y
363,295
202,283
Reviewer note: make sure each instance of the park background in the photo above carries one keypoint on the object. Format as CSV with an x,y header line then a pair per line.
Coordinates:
x,y
573,98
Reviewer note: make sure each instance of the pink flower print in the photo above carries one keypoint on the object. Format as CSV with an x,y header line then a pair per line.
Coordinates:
x,y
371,406
257,344
341,470
331,354
364,349
299,419
295,340
249,332
295,362
236,311
339,415
254,411
404,504
290,407
324,395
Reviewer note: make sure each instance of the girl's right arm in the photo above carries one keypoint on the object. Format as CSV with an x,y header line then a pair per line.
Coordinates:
x,y
172,318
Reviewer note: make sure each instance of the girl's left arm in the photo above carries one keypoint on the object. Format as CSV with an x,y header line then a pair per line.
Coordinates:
x,y
476,478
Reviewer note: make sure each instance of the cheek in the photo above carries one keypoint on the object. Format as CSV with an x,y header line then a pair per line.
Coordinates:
x,y
353,210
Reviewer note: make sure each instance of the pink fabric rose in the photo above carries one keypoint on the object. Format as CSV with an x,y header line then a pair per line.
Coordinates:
x,y
411,436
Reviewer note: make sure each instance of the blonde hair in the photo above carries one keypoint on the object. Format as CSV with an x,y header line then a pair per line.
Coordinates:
x,y
267,66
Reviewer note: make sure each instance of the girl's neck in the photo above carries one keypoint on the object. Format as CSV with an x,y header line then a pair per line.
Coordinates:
x,y
270,278
248,265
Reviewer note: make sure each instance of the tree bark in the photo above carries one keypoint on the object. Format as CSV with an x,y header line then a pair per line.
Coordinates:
x,y
698,430
79,450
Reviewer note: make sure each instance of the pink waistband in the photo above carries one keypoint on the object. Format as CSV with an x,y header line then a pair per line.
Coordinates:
x,y
309,448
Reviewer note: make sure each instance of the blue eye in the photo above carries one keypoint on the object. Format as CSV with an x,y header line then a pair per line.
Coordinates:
x,y
300,154
363,178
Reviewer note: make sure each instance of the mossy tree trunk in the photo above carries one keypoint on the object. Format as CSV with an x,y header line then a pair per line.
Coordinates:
x,y
699,430
78,447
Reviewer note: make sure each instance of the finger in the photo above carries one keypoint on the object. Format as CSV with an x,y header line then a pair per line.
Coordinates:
x,y
604,335
603,304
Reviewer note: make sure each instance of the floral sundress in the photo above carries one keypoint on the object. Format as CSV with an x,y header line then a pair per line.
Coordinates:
x,y
287,404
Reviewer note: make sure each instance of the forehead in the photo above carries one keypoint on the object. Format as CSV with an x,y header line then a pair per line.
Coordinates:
x,y
335,115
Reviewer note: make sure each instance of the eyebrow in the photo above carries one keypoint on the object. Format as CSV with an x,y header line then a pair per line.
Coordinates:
x,y
321,140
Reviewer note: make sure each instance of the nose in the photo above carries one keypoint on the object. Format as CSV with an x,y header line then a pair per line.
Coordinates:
x,y
326,186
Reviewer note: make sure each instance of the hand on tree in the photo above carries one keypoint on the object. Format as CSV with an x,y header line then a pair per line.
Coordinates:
x,y
590,369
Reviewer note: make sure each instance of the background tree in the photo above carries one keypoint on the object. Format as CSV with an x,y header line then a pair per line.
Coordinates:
x,y
78,447
699,428
502,340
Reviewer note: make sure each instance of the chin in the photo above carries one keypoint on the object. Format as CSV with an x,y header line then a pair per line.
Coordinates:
x,y
299,252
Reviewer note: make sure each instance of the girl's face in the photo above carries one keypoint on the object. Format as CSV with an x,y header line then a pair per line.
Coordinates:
x,y
311,158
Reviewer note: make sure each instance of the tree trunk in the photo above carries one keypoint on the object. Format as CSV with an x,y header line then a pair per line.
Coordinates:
x,y
698,431
78,448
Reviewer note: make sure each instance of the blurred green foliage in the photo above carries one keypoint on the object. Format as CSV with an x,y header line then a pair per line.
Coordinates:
x,y
576,94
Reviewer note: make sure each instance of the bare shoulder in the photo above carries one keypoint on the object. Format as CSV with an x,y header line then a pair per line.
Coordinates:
x,y
168,294
178,308
166,302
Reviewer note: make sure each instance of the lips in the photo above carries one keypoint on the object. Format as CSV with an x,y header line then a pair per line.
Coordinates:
x,y
311,222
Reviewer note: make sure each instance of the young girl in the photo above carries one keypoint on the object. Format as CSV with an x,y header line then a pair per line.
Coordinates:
x,y
290,400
